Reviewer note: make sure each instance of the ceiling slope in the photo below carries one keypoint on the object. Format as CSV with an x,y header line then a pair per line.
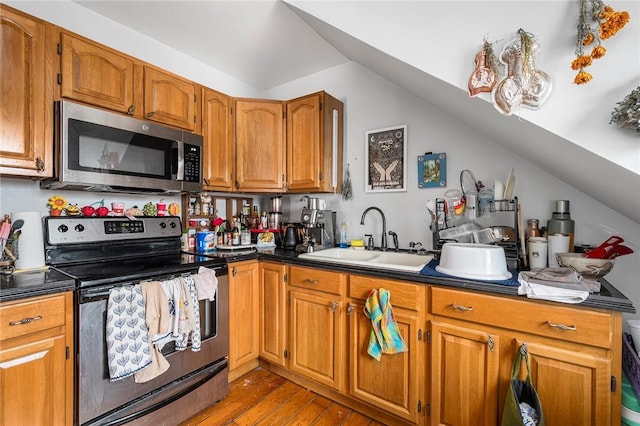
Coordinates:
x,y
514,133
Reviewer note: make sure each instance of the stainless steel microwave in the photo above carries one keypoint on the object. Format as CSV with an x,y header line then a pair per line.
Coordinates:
x,y
97,150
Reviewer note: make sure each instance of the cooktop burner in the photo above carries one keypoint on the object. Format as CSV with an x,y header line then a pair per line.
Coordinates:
x,y
147,268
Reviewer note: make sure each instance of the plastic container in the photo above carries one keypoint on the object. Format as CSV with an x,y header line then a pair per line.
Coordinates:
x,y
631,363
460,234
474,261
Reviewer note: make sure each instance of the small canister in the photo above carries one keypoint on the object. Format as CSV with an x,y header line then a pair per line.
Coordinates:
x,y
205,241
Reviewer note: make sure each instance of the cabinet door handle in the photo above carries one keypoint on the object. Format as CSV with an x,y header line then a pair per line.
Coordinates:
x,y
310,281
131,109
234,271
334,306
461,308
26,320
40,165
491,343
350,309
562,326
149,114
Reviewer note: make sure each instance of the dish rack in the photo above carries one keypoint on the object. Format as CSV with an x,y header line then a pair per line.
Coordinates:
x,y
631,363
501,213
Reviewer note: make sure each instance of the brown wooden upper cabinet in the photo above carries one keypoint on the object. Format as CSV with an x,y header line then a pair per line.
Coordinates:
x,y
27,86
170,99
314,143
217,130
290,146
95,74
260,145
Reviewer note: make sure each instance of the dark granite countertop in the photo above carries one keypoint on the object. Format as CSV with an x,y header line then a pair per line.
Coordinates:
x,y
609,297
33,283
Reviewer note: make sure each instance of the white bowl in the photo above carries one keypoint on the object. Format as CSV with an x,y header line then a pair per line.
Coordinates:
x,y
484,262
589,267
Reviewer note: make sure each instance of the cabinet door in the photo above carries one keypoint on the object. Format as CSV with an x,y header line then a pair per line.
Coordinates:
x,y
574,386
313,156
170,99
26,84
273,302
260,145
464,376
33,376
217,129
244,337
316,334
97,75
392,384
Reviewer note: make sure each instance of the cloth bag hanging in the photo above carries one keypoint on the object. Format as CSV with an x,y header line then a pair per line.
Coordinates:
x,y
522,405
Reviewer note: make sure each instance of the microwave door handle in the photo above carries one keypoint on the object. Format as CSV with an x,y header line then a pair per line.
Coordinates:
x,y
179,166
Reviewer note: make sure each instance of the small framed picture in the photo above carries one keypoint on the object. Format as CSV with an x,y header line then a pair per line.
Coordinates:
x,y
432,170
386,159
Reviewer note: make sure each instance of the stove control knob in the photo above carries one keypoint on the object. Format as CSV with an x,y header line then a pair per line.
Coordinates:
x,y
163,225
173,225
79,227
63,228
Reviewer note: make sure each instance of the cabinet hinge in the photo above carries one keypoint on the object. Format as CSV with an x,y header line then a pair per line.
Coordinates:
x,y
59,78
320,176
427,409
286,353
285,278
320,106
419,406
613,384
420,335
284,115
67,352
428,336
59,49
195,98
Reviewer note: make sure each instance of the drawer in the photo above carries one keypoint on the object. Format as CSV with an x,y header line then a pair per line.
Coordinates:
x,y
405,295
316,279
32,315
562,322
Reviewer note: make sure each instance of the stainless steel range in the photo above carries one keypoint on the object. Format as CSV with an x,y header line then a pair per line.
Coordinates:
x,y
103,254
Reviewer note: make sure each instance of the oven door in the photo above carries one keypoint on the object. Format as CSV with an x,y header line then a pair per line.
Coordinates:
x,y
194,380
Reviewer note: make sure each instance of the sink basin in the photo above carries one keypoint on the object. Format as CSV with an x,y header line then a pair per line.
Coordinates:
x,y
372,259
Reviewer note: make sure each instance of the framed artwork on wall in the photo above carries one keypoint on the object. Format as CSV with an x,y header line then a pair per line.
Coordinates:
x,y
432,170
386,159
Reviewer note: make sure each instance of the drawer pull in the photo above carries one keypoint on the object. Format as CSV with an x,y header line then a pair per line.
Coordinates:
x,y
562,326
350,309
25,320
461,308
491,343
310,281
334,306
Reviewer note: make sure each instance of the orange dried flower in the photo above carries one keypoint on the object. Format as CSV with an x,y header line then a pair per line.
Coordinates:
x,y
598,52
581,62
583,77
606,12
588,39
611,26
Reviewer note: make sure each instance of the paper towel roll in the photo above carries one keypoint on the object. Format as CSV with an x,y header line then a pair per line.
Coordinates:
x,y
31,243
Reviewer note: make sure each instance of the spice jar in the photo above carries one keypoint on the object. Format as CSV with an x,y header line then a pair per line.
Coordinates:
x,y
532,229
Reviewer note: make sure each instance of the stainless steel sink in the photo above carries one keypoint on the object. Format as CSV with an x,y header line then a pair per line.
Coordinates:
x,y
372,259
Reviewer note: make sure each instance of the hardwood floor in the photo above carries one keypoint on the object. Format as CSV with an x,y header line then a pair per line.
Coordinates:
x,y
263,398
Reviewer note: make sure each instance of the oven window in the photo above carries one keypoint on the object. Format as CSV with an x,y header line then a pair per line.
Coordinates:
x,y
104,149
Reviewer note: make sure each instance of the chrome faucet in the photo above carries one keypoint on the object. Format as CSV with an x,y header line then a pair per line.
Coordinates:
x,y
383,244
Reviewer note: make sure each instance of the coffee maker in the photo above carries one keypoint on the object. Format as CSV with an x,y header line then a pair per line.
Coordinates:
x,y
320,227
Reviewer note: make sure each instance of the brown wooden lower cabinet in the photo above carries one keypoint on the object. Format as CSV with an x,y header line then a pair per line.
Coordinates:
x,y
461,349
36,363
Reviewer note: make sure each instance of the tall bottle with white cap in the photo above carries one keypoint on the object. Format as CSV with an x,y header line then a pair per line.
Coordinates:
x,y
561,222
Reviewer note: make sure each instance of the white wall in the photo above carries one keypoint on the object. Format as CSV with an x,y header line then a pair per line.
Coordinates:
x,y
372,103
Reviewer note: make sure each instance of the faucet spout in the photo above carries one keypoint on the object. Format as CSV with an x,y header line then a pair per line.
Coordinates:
x,y
383,244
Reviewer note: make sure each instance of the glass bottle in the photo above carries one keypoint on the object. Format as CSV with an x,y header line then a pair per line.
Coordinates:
x,y
532,229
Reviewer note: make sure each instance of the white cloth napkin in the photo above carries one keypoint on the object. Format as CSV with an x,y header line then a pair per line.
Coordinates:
x,y
556,284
